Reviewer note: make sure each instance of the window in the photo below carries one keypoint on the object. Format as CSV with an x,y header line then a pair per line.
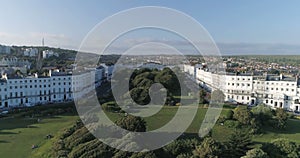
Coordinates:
x,y
267,101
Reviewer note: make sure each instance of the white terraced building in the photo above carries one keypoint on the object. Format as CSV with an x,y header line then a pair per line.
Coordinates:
x,y
57,87
277,91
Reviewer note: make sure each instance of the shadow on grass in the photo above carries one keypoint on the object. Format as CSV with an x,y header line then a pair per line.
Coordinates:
x,y
5,133
292,127
3,141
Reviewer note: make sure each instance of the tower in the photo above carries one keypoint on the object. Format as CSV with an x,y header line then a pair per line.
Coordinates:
x,y
39,58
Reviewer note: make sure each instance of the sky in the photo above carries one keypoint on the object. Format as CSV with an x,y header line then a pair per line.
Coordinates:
x,y
238,27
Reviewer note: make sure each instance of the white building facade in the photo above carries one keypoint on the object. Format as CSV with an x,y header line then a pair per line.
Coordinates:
x,y
277,91
49,53
5,49
57,87
30,52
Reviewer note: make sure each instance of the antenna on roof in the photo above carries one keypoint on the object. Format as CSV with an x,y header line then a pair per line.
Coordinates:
x,y
43,42
39,58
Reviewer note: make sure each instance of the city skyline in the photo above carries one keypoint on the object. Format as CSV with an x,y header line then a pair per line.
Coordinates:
x,y
268,27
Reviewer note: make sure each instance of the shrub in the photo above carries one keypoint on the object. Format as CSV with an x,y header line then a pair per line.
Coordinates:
x,y
232,124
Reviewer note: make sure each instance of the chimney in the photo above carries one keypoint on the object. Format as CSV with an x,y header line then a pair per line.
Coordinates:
x,y
4,76
281,76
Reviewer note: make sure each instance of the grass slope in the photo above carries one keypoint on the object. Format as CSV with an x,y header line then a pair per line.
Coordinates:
x,y
17,135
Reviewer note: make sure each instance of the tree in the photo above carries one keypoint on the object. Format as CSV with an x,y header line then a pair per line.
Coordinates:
x,y
180,147
217,96
281,117
149,154
256,153
263,113
238,144
202,95
283,148
132,123
209,148
242,114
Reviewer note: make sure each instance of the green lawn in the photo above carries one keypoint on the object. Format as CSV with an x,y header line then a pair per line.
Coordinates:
x,y
292,132
17,135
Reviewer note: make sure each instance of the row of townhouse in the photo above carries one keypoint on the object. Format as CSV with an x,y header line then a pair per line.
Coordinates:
x,y
56,87
277,91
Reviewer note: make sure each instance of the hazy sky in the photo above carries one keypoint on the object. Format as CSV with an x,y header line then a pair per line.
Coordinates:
x,y
245,27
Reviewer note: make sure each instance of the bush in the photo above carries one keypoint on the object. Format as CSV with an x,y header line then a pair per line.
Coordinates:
x,y
221,119
228,114
232,124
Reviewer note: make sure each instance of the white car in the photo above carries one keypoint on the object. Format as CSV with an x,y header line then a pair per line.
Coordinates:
x,y
28,104
4,112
